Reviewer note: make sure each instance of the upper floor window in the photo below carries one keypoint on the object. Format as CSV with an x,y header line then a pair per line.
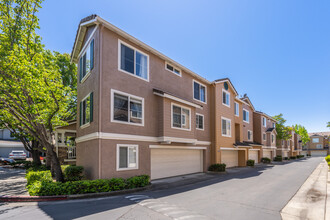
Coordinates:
x,y
319,146
315,140
127,108
264,136
274,125
199,92
226,127
172,69
250,135
236,106
225,98
133,61
246,116
86,110
264,122
200,122
86,62
273,138
180,117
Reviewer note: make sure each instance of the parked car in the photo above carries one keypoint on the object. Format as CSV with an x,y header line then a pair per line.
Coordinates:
x,y
17,155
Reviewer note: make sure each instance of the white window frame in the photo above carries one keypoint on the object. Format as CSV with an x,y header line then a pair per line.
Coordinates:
x,y
82,53
318,140
272,138
118,157
228,93
181,106
113,91
248,114
273,124
193,88
133,48
264,139
80,114
251,135
319,146
226,135
264,120
236,105
174,67
203,122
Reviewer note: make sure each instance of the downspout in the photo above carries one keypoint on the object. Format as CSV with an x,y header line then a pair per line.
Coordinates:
x,y
100,98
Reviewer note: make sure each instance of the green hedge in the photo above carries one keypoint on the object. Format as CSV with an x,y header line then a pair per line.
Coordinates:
x,y
50,188
293,157
250,163
35,176
327,158
72,172
218,167
300,156
265,160
278,158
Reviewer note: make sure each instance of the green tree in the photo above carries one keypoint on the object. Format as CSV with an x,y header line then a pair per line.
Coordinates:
x,y
328,124
31,85
283,132
302,132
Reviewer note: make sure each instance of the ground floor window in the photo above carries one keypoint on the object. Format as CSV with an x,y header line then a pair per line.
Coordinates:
x,y
127,157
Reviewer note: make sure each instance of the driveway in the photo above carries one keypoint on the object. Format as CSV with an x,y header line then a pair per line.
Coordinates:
x,y
12,181
249,193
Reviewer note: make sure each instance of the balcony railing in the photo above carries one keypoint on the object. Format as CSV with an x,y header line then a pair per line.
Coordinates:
x,y
72,152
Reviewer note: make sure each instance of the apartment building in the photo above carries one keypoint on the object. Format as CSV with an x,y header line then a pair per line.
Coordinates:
x,y
265,133
141,112
283,148
318,144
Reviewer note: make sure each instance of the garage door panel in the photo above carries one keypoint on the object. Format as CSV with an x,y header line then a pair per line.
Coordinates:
x,y
254,155
229,157
175,162
267,154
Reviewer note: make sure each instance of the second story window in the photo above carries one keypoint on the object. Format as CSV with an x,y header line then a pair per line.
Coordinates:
x,y
199,92
200,122
226,127
86,62
236,109
86,110
133,61
274,125
273,138
250,135
225,98
315,140
127,108
246,116
319,146
180,117
264,136
264,122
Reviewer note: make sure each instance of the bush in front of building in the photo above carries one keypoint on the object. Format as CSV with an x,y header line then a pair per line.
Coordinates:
x,y
278,158
38,176
300,156
293,157
218,167
73,172
265,160
327,158
46,188
250,163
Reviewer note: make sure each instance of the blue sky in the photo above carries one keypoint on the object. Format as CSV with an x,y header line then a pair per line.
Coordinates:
x,y
276,51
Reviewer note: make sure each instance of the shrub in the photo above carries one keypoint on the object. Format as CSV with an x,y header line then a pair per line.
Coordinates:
x,y
218,167
265,160
329,163
72,172
46,188
250,163
278,158
300,156
293,157
37,168
286,158
327,158
34,176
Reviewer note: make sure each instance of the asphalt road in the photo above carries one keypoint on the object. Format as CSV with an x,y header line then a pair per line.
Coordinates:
x,y
250,193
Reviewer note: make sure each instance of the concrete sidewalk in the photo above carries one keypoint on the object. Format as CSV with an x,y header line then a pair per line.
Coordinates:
x,y
310,200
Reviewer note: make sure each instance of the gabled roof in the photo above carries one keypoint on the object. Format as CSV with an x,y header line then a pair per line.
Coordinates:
x,y
322,133
247,99
264,114
229,82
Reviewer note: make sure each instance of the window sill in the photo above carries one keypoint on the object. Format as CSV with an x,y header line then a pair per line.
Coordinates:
x,y
226,105
200,101
223,135
85,125
133,74
127,123
126,169
246,122
184,129
200,129
86,77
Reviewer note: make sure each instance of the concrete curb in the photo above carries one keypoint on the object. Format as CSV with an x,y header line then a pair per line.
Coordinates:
x,y
310,200
69,197
327,204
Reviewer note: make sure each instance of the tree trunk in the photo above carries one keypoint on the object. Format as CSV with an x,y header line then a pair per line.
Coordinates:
x,y
48,160
55,164
35,153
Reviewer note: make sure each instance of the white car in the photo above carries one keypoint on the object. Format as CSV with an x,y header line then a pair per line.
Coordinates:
x,y
17,155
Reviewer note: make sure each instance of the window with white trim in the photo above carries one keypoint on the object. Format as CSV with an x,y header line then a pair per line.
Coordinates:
x,y
180,117
236,107
319,146
199,92
226,127
133,61
273,138
172,69
250,135
127,108
264,136
315,140
225,98
274,125
264,122
86,110
246,116
86,61
127,157
200,121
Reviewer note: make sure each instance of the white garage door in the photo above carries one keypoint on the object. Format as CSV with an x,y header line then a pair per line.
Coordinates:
x,y
175,162
229,157
268,154
285,154
253,155
319,153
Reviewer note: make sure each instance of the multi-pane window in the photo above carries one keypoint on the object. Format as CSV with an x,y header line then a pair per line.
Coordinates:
x,y
199,92
86,110
236,106
264,121
226,98
199,121
249,135
127,108
86,62
127,157
264,136
133,61
226,127
315,140
180,117
246,116
172,69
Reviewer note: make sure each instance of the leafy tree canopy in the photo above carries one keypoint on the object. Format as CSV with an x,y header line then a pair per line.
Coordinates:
x,y
283,132
302,132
